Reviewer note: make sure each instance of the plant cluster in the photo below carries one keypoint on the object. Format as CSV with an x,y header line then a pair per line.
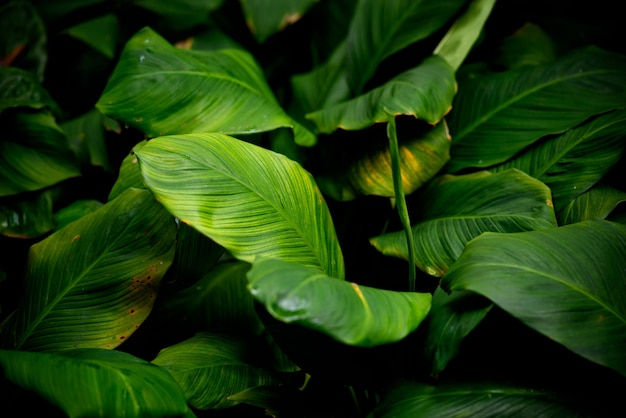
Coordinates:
x,y
312,208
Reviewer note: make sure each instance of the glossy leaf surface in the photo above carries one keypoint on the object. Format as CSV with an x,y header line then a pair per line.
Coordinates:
x,y
129,175
476,400
34,153
490,122
210,367
352,314
207,91
251,201
457,209
88,286
425,92
552,282
380,28
96,382
596,203
573,162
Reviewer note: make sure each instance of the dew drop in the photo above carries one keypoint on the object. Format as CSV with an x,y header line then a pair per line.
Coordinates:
x,y
142,58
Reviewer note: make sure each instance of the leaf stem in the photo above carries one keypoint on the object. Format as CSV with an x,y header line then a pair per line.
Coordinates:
x,y
398,190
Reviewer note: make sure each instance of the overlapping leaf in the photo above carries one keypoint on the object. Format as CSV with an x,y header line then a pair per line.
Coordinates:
x,y
27,215
34,153
20,88
380,28
425,92
96,382
206,91
264,21
573,162
492,113
596,203
89,286
477,400
352,314
250,200
457,209
568,283
210,367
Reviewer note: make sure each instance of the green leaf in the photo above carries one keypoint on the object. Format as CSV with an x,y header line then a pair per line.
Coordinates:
x,y
476,400
420,159
206,91
89,286
451,319
219,301
250,200
529,46
490,123
22,38
425,92
100,33
568,283
380,28
349,313
596,203
20,88
573,162
460,38
266,17
96,382
27,215
130,174
182,14
86,136
456,209
34,153
210,367
75,210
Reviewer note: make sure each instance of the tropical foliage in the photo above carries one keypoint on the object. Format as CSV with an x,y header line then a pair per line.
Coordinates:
x,y
350,208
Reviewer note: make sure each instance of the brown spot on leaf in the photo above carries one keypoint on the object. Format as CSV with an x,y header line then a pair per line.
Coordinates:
x,y
76,237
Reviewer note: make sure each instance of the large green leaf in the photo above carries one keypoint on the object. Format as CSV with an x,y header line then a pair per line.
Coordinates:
x,y
210,367
568,283
500,114
596,203
352,314
161,89
420,159
456,209
95,383
92,283
451,318
380,28
250,200
529,46
473,400
425,92
266,17
34,153
573,162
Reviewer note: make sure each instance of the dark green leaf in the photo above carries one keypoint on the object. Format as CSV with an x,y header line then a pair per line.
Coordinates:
x,y
210,367
96,382
379,28
206,91
27,215
573,162
596,203
266,17
529,46
500,114
89,286
425,92
86,137
352,314
20,88
100,33
34,153
451,319
568,283
130,174
457,209
75,211
475,400
251,201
